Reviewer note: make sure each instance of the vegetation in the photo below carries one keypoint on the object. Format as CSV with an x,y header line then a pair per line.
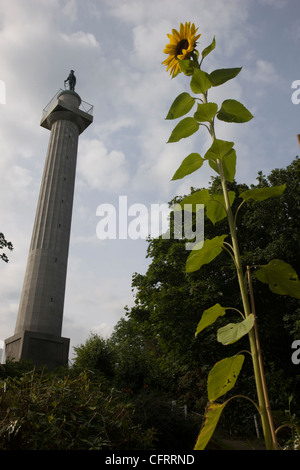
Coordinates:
x,y
147,386
41,411
120,392
4,244
280,276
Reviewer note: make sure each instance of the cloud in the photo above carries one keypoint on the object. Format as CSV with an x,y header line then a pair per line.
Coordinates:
x,y
100,168
264,72
116,50
80,38
275,3
70,10
227,23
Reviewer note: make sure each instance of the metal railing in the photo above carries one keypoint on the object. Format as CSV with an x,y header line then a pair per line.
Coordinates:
x,y
84,106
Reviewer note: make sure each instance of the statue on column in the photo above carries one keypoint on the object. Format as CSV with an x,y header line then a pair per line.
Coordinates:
x,y
72,80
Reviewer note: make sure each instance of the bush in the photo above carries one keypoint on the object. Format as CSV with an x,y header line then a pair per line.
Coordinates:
x,y
173,431
45,412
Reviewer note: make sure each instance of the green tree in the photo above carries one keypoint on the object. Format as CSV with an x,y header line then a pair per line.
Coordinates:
x,y
4,244
96,355
169,301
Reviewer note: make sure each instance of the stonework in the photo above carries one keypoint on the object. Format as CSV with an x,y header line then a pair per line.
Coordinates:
x,y
39,323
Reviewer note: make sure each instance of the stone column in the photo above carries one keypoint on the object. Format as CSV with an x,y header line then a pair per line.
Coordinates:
x,y
39,323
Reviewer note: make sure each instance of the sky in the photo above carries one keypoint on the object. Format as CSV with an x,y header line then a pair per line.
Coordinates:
x,y
116,49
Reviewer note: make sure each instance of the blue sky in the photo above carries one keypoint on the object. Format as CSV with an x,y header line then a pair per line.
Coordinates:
x,y
115,48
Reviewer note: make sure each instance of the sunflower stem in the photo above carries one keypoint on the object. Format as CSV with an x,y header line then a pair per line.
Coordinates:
x,y
259,380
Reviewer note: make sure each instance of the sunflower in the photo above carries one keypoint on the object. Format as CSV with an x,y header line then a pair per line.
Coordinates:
x,y
181,46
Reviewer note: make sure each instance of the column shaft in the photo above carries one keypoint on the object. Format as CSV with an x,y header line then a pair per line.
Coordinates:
x,y
42,300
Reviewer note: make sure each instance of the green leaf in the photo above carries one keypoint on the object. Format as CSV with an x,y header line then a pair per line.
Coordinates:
x,y
209,316
218,149
187,66
281,277
184,128
190,164
229,165
209,48
180,106
220,76
260,194
234,111
199,197
204,253
223,376
206,112
200,82
234,331
212,414
215,207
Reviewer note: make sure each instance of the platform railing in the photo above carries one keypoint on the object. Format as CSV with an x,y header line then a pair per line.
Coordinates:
x,y
84,106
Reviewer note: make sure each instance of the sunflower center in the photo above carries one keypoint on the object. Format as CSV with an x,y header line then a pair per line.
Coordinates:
x,y
183,44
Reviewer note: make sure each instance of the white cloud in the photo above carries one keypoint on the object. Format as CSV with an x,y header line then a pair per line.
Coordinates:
x,y
116,50
80,38
19,179
70,10
100,168
264,72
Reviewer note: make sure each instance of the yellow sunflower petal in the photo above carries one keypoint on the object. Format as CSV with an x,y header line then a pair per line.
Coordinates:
x,y
181,44
176,35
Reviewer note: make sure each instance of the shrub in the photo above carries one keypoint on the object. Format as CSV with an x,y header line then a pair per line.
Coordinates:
x,y
45,412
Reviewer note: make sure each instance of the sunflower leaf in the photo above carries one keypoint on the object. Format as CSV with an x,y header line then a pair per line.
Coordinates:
x,y
209,48
223,376
218,149
209,316
190,164
204,253
220,76
281,277
215,208
229,165
181,106
206,112
232,332
200,82
212,414
184,128
260,194
234,111
187,66
198,197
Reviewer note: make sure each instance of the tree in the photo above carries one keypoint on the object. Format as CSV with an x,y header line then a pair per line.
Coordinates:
x,y
4,244
169,301
96,355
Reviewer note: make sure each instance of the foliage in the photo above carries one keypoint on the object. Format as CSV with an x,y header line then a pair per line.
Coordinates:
x,y
279,275
173,430
4,244
95,355
44,412
168,300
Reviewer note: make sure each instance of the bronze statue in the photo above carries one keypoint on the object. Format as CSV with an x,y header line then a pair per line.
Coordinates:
x,y
72,80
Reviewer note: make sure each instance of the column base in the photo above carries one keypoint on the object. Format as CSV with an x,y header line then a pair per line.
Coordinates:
x,y
40,348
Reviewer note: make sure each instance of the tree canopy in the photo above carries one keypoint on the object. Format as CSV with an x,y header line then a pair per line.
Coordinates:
x,y
169,301
4,244
155,345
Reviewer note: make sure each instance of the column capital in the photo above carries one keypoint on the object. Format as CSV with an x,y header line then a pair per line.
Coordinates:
x,y
66,107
